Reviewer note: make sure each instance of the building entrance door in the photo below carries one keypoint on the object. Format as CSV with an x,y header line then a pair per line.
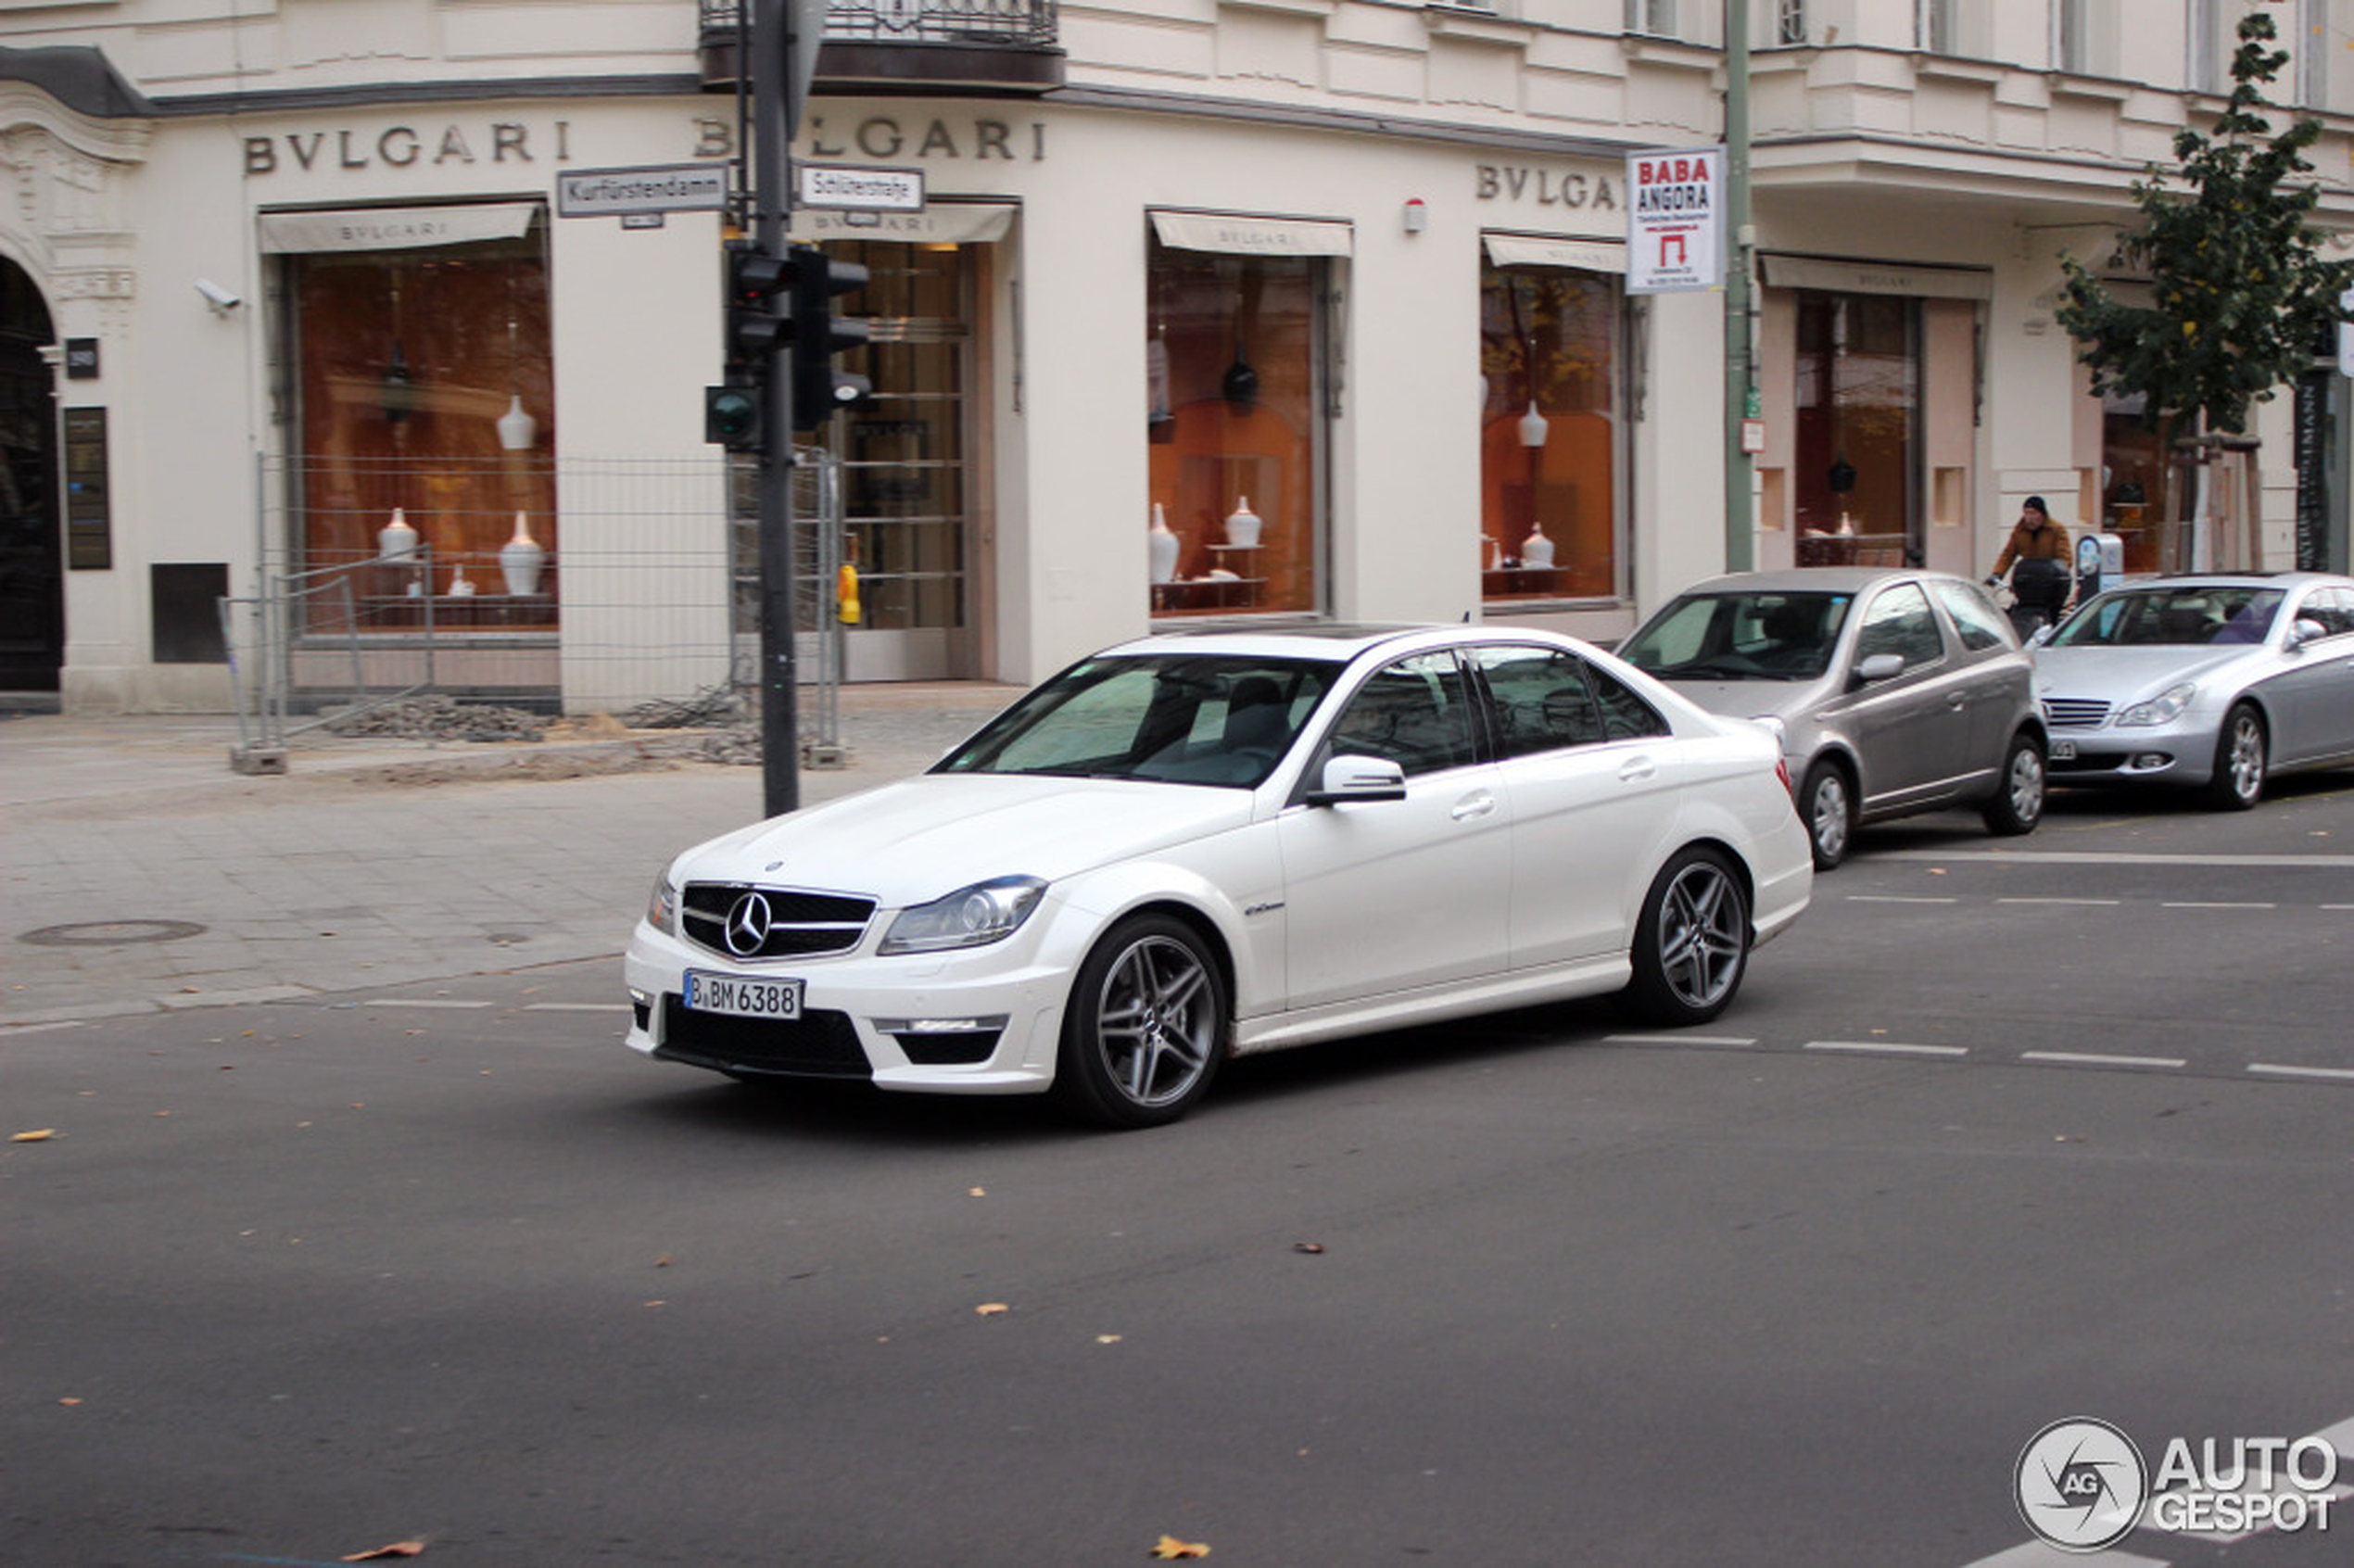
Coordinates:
x,y
32,629
907,478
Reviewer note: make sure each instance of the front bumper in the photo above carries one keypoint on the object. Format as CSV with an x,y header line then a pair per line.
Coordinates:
x,y
984,1022
2180,752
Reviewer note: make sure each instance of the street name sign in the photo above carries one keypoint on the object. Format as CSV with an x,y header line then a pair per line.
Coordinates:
x,y
610,192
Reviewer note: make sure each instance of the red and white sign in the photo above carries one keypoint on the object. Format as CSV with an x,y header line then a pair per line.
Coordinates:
x,y
1675,221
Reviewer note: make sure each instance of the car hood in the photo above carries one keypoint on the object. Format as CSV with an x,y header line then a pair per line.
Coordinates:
x,y
915,841
1753,699
2117,674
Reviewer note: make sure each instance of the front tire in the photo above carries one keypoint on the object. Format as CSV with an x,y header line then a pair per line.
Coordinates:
x,y
1691,945
1826,805
1146,1028
2017,804
2238,780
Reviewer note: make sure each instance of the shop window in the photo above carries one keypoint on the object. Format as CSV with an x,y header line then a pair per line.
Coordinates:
x,y
2134,480
1231,364
1859,428
1548,444
423,385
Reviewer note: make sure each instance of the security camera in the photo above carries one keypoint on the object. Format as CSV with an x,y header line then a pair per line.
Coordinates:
x,y
222,300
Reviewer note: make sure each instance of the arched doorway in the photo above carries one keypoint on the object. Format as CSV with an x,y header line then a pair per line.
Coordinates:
x,y
32,631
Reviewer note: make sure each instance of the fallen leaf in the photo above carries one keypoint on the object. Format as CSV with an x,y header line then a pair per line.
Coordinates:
x,y
663,1262
1107,1339
977,1192
398,1549
1308,1247
38,1136
990,1309
1171,1548
68,1399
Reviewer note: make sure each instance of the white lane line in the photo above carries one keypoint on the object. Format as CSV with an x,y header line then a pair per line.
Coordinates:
x,y
1897,898
575,1006
2096,857
1678,1040
2344,1074
2035,1554
1887,1047
2338,906
2105,901
2171,903
11,1032
2096,1058
419,1002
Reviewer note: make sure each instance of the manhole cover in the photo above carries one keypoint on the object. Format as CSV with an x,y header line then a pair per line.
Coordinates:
x,y
111,933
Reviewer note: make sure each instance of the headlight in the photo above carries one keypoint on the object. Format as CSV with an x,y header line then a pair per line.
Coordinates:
x,y
662,906
2164,708
972,917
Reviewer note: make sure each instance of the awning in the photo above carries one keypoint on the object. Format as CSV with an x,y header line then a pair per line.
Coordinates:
x,y
1878,277
394,228
941,222
1585,256
1251,236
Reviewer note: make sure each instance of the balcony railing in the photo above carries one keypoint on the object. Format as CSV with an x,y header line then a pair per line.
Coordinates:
x,y
1005,45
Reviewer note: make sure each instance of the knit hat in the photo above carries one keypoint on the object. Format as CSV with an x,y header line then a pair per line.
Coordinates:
x,y
2035,504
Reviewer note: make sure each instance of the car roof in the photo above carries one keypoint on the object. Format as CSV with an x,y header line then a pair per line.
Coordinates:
x,y
2285,580
1816,579
1334,642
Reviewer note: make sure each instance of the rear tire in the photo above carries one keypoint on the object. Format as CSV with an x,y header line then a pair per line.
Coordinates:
x,y
2240,761
1826,805
1146,1028
1691,945
2017,804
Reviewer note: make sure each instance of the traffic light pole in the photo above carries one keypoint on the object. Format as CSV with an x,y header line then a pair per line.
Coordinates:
x,y
772,129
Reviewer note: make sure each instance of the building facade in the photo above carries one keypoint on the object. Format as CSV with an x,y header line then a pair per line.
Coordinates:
x,y
1215,310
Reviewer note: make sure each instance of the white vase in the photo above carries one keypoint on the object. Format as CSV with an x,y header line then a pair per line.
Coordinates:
x,y
395,540
1242,525
1165,543
521,558
460,586
1537,551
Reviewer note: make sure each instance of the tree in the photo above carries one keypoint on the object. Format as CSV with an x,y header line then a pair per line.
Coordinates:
x,y
2241,297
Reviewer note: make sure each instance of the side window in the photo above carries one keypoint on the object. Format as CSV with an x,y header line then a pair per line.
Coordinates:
x,y
1899,621
1541,698
1413,713
2334,607
1981,625
1624,715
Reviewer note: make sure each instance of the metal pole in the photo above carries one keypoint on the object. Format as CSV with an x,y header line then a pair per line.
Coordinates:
x,y
1740,391
772,156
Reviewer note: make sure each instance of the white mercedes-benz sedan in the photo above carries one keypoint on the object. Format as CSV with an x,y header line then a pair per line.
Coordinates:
x,y
1203,845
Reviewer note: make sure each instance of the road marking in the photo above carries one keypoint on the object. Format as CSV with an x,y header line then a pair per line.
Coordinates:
x,y
2098,901
2338,906
1897,898
2095,1058
11,1030
2170,903
1676,1040
1889,1047
2094,858
418,1002
2346,1074
2035,1554
575,1006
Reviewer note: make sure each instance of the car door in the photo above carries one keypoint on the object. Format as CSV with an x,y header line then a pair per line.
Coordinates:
x,y
1389,895
2313,694
1591,773
1911,731
2000,681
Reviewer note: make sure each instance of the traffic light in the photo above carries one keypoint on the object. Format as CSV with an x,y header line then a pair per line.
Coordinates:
x,y
754,329
819,334
731,414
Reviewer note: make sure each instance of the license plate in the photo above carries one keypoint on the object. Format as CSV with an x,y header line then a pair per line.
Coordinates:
x,y
742,996
2063,750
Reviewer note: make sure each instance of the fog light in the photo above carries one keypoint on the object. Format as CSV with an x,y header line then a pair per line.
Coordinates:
x,y
2150,761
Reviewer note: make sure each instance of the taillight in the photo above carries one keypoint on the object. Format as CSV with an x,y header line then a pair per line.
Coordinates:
x,y
1781,771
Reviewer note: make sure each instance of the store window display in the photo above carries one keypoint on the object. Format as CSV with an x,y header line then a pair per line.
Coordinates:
x,y
1549,446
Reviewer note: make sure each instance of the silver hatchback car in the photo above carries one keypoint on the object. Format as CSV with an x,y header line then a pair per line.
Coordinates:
x,y
1894,691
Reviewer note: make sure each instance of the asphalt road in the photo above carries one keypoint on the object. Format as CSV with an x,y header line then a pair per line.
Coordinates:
x,y
2006,1131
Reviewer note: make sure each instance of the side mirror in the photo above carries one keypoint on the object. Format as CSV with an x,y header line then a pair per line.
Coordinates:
x,y
1880,666
2305,630
1359,779
2040,636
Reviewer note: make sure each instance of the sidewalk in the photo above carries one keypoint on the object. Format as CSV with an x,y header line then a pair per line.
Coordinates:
x,y
139,873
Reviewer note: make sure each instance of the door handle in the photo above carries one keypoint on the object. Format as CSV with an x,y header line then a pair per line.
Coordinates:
x,y
1479,804
1634,768
1956,700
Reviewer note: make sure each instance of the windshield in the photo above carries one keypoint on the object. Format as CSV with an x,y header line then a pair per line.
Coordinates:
x,y
1748,635
2157,617
1171,718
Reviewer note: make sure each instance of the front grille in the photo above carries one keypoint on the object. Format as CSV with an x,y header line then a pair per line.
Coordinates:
x,y
2075,712
818,1044
798,923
